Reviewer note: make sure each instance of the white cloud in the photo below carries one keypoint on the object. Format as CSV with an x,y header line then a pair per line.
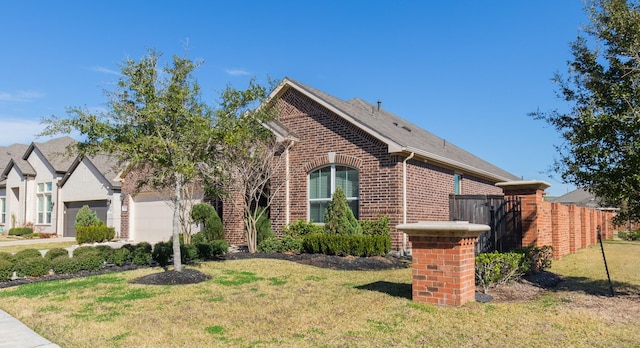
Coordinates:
x,y
20,96
237,72
19,131
104,70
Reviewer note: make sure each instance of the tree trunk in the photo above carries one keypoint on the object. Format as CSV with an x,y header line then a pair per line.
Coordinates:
x,y
177,198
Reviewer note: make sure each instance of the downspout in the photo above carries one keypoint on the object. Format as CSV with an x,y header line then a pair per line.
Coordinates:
x,y
404,200
286,187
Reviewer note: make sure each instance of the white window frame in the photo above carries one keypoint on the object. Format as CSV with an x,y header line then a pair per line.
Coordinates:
x,y
3,210
457,183
332,190
44,202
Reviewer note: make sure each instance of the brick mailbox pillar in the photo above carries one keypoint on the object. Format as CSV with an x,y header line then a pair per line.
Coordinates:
x,y
443,261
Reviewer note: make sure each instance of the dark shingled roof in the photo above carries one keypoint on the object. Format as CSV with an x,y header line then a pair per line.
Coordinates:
x,y
401,135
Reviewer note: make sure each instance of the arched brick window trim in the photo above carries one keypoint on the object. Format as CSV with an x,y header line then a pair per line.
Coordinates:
x,y
340,159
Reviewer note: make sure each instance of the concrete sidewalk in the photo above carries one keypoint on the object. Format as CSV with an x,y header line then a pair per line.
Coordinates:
x,y
14,334
37,241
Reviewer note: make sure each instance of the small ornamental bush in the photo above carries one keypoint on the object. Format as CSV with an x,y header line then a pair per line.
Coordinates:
x,y
94,234
27,254
20,231
56,252
87,217
270,245
83,250
144,246
629,235
129,247
338,218
188,253
301,228
141,256
343,245
200,237
104,250
205,252
6,270
120,257
65,265
32,267
499,268
162,253
376,227
5,256
205,214
292,244
90,261
537,259
219,247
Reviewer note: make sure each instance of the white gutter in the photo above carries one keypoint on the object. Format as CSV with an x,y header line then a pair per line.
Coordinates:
x,y
404,200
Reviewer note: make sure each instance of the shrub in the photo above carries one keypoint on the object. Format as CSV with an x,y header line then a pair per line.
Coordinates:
x,y
188,253
27,254
629,235
339,218
301,228
87,217
219,247
141,256
90,261
343,245
65,265
498,268
83,250
263,226
56,252
32,267
379,226
5,256
20,231
292,244
120,257
162,253
144,246
6,270
94,234
207,215
129,247
200,237
104,250
270,245
537,259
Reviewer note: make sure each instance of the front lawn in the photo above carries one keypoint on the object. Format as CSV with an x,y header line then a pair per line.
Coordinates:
x,y
275,303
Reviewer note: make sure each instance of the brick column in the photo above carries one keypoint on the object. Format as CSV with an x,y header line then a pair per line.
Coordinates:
x,y
443,261
536,219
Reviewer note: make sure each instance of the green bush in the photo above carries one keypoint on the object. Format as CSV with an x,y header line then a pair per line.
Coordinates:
x,y
20,231
104,250
87,217
120,257
141,257
65,265
27,254
207,215
537,259
162,253
629,235
219,247
144,246
292,244
56,252
263,226
270,245
5,256
200,237
343,245
83,250
498,268
94,234
90,261
32,267
338,218
379,226
301,228
129,247
188,253
6,270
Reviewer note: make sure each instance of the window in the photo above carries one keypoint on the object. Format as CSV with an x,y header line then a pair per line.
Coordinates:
x,y
3,210
457,182
323,183
44,202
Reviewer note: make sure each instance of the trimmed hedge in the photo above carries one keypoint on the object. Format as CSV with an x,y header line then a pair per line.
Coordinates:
x,y
55,253
162,253
120,257
94,234
27,254
90,261
20,231
343,245
65,265
32,267
5,256
6,270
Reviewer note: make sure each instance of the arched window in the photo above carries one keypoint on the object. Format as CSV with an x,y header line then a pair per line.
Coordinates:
x,y
323,183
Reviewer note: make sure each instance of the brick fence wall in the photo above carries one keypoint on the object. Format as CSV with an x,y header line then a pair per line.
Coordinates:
x,y
567,228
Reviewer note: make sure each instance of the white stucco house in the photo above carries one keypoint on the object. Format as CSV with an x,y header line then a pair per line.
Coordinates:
x,y
42,186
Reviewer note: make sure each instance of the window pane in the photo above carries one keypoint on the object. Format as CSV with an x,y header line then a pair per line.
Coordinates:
x,y
40,204
354,208
347,178
49,186
319,183
47,206
40,187
316,211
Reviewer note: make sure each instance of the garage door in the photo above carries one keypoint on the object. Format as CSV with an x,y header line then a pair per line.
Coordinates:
x,y
71,210
151,219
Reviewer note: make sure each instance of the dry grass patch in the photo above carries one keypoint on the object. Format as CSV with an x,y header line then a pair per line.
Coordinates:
x,y
40,246
275,303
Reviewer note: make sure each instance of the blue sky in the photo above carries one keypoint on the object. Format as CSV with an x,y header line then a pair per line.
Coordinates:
x,y
467,71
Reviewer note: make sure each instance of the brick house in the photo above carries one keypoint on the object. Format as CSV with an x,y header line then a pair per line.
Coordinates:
x,y
386,165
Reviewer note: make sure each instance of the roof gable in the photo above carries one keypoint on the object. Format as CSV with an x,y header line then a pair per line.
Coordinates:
x,y
106,165
55,152
400,135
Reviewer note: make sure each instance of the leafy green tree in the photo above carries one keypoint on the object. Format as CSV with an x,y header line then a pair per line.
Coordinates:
x,y
155,123
601,130
339,219
87,217
212,225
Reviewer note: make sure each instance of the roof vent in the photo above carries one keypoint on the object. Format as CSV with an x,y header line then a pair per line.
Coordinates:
x,y
379,103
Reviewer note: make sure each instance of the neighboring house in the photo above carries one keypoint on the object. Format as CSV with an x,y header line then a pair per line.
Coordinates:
x,y
386,165
579,197
41,185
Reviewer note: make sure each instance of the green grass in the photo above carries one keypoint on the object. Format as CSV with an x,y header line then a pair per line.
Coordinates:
x,y
275,303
